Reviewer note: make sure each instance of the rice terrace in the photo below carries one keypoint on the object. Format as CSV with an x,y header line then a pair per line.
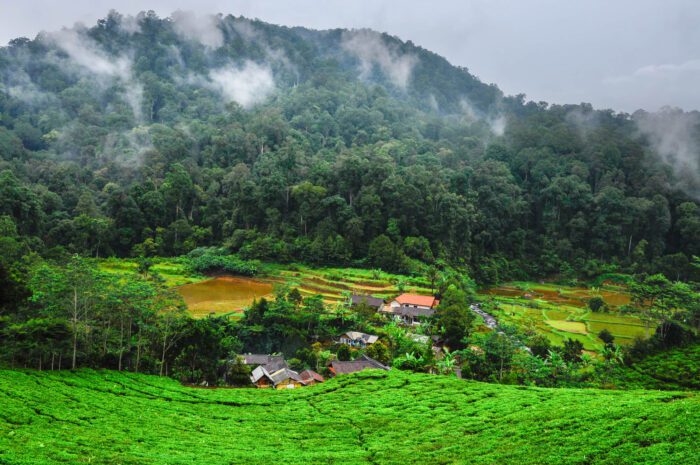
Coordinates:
x,y
225,240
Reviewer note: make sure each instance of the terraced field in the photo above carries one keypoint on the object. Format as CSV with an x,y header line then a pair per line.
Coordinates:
x,y
334,283
561,312
105,417
229,298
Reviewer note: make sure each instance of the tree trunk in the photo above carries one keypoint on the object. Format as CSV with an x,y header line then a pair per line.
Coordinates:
x,y
162,358
629,246
121,344
75,326
138,352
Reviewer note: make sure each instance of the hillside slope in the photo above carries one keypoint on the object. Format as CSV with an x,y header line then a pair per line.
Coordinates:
x,y
108,417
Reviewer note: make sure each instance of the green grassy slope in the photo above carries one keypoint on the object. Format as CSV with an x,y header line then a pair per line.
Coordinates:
x,y
672,369
374,417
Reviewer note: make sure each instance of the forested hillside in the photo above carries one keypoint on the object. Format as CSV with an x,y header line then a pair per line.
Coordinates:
x,y
150,136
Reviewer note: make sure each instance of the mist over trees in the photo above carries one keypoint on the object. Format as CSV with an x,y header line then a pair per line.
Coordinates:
x,y
145,136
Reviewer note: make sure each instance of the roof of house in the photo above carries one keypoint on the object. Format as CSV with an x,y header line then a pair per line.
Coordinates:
x,y
285,374
357,299
416,299
259,373
353,366
310,375
271,363
358,336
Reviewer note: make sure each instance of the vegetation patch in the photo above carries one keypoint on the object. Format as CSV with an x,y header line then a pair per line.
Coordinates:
x,y
112,417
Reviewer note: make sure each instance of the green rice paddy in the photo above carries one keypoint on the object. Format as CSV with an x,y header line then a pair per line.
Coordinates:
x,y
561,312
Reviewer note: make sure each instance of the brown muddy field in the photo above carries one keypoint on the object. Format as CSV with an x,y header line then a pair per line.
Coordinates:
x,y
221,295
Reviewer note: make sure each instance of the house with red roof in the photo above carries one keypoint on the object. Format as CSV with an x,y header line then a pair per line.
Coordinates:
x,y
412,308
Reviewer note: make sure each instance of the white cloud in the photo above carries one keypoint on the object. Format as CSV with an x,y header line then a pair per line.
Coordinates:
x,y
247,85
87,54
371,50
203,29
658,72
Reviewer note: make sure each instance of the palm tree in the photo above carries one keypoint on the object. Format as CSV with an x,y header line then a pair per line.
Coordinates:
x,y
448,362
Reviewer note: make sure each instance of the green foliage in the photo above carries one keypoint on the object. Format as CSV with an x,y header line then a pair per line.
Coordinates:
x,y
344,352
453,318
572,350
212,260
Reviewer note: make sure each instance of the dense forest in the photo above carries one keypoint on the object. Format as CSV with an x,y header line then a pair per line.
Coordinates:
x,y
149,137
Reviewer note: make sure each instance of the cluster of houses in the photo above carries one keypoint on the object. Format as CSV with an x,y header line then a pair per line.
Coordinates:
x,y
272,371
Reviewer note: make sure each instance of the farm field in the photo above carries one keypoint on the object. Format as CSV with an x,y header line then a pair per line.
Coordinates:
x,y
561,312
229,296
109,417
333,283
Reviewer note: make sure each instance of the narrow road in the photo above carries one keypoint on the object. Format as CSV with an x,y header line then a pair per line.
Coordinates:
x,y
491,322
488,319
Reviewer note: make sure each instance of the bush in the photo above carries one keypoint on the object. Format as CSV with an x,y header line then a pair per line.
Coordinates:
x,y
343,353
210,261
606,336
597,304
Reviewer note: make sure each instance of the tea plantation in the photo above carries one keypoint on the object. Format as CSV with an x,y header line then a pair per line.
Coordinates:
x,y
105,417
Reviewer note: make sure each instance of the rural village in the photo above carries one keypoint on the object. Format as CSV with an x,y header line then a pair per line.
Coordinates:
x,y
272,371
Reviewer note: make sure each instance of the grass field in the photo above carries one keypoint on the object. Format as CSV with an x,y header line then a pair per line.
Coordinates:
x,y
170,269
105,417
561,312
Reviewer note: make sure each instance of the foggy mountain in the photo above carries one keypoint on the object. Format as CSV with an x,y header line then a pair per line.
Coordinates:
x,y
382,136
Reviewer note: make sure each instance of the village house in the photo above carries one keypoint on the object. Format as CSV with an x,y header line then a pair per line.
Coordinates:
x,y
310,377
411,308
358,339
372,302
352,366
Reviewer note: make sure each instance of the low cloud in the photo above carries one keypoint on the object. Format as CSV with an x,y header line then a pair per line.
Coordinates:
x,y
203,29
127,148
89,56
674,136
496,122
371,50
248,84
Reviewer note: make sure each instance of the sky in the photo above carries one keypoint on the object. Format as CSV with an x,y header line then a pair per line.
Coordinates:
x,y
620,54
